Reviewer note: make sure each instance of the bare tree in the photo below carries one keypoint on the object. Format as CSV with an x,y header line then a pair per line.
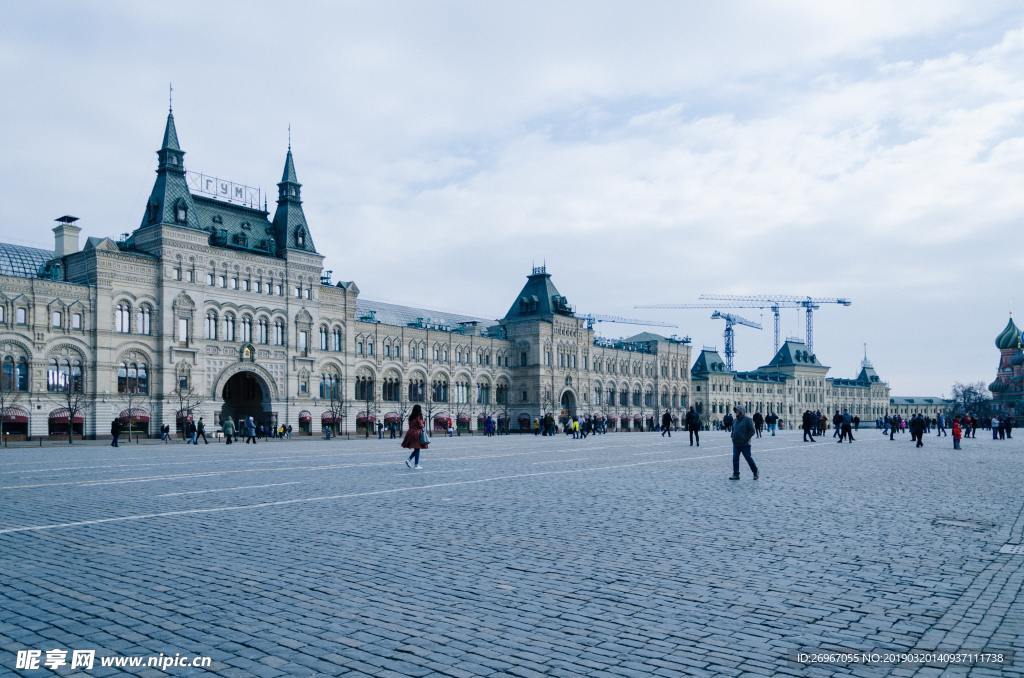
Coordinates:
x,y
74,399
131,398
336,405
973,399
188,400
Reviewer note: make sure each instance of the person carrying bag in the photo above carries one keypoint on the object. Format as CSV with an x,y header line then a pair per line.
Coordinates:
x,y
416,437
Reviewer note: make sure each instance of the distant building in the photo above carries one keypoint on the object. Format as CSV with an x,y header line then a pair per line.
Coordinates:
x,y
794,381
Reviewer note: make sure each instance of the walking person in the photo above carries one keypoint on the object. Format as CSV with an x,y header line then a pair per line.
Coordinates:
x,y
250,431
742,432
165,433
940,426
115,432
201,431
190,428
807,424
846,424
837,426
956,434
773,422
995,428
693,426
758,423
917,429
229,430
666,424
415,438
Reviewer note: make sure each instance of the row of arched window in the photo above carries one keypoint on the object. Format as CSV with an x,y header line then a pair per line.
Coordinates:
x,y
124,322
231,329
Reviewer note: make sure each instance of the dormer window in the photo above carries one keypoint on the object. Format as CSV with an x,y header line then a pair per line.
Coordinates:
x,y
217,219
180,212
300,237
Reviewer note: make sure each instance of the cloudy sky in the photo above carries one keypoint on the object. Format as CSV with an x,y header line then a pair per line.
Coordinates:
x,y
649,152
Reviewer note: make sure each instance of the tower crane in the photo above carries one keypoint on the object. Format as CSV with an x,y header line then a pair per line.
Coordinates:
x,y
771,302
593,318
731,320
778,301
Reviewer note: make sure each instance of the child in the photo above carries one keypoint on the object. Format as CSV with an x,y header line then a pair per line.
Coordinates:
x,y
956,434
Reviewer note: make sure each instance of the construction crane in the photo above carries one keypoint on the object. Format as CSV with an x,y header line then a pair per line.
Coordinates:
x,y
593,318
779,301
731,321
773,303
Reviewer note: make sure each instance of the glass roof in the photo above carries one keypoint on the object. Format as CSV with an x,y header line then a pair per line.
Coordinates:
x,y
21,261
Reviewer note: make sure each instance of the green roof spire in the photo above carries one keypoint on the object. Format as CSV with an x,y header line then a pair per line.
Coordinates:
x,y
170,142
290,229
170,201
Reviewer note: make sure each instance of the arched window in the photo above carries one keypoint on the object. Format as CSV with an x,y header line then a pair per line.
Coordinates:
x,y
279,333
211,325
330,386
143,320
77,381
7,376
246,329
323,338
262,338
229,327
417,390
180,211
483,393
122,317
501,394
132,378
392,389
336,339
439,391
364,388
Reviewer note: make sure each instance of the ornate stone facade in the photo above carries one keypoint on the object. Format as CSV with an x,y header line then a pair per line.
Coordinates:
x,y
217,302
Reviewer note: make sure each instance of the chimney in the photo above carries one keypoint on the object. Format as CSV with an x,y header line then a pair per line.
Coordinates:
x,y
65,236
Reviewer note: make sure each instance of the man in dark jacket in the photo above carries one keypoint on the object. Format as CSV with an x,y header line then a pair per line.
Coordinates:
x,y
758,423
916,426
807,424
115,432
693,426
727,422
742,432
666,424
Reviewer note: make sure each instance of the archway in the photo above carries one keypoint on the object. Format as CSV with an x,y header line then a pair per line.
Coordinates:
x,y
246,395
568,403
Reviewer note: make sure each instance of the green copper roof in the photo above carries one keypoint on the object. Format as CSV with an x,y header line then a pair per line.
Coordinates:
x,y
539,299
235,226
170,135
794,354
170,201
1009,337
289,169
290,227
708,361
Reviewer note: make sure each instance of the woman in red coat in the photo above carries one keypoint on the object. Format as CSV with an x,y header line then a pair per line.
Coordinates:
x,y
416,437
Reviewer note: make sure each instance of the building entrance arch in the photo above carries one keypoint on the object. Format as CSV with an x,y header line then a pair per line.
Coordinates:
x,y
246,395
568,403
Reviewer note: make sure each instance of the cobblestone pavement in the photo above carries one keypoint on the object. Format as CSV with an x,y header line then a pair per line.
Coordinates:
x,y
619,555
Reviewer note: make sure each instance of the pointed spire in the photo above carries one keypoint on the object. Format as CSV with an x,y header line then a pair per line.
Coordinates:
x,y
289,176
170,141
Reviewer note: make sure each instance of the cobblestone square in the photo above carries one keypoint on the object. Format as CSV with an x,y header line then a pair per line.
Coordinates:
x,y
618,555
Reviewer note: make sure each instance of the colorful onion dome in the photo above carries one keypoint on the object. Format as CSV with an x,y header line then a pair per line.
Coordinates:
x,y
1009,337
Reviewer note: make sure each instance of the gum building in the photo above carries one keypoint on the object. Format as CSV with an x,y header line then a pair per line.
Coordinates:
x,y
215,307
